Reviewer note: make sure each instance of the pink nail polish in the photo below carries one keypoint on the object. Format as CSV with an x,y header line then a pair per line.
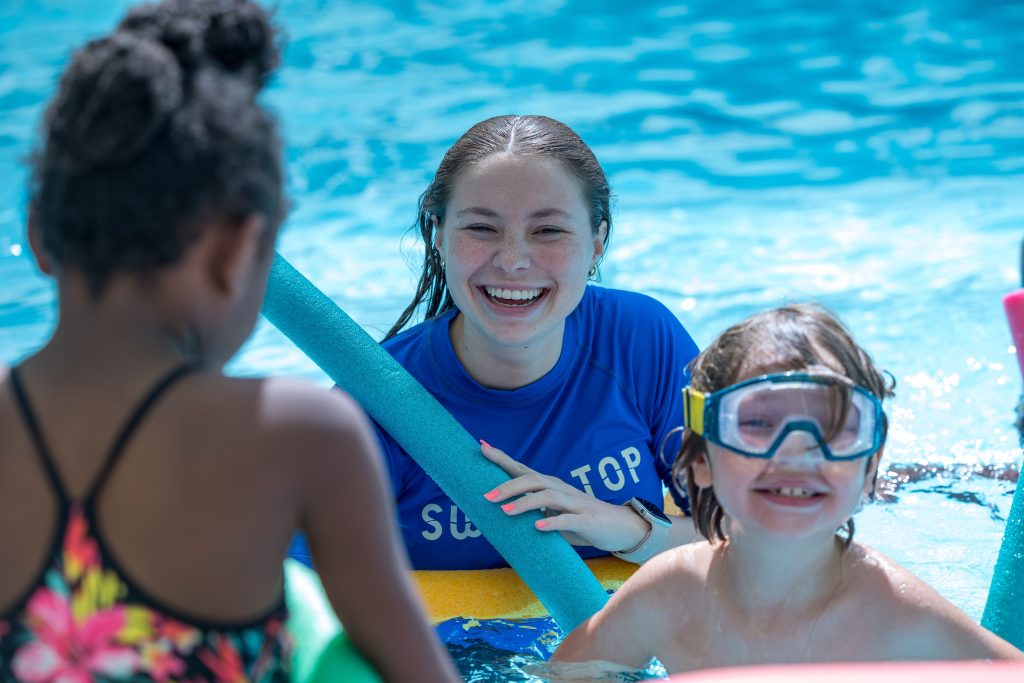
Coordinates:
x,y
508,507
485,443
491,495
541,523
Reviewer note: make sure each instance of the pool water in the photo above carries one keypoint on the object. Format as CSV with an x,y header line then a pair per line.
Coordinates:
x,y
866,155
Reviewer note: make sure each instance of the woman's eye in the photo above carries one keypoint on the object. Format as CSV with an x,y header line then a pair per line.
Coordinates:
x,y
550,231
479,228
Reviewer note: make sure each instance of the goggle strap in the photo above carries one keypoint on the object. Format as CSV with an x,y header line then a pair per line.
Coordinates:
x,y
693,410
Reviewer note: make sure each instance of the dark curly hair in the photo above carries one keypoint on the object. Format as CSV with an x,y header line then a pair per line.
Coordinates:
x,y
537,136
154,129
792,337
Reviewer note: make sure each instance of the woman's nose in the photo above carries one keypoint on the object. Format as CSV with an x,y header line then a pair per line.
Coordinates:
x,y
513,254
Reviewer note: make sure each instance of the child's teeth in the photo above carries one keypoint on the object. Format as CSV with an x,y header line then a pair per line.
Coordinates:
x,y
794,492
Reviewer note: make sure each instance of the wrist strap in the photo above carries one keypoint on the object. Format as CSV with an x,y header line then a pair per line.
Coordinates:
x,y
639,545
651,544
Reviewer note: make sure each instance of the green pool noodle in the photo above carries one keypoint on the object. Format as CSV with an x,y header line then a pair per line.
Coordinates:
x,y
1004,609
322,653
433,438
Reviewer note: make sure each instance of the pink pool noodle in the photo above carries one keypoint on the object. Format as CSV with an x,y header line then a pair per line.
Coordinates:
x,y
1013,303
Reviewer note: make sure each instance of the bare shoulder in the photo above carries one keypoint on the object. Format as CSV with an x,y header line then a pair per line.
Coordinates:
x,y
921,622
878,577
667,587
654,601
681,569
281,406
292,403
290,424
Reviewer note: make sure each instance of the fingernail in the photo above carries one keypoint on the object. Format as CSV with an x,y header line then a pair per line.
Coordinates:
x,y
485,443
491,495
541,523
508,507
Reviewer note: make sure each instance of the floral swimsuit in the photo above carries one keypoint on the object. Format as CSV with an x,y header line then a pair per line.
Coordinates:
x,y
84,620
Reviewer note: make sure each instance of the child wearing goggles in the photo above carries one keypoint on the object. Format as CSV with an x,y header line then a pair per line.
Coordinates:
x,y
784,432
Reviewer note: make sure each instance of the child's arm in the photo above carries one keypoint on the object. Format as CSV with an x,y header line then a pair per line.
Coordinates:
x,y
624,631
350,523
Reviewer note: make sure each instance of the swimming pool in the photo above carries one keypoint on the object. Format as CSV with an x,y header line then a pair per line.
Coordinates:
x,y
869,156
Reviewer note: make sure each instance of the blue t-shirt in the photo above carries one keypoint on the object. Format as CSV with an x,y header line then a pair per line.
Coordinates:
x,y
596,420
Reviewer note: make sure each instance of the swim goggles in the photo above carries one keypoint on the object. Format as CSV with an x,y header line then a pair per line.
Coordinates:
x,y
754,417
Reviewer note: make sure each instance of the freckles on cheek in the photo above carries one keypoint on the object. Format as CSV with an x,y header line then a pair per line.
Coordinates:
x,y
465,256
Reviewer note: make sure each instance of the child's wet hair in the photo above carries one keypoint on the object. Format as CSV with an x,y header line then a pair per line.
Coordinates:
x,y
790,338
154,129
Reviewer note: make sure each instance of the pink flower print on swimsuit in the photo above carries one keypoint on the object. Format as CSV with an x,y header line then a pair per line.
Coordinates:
x,y
83,623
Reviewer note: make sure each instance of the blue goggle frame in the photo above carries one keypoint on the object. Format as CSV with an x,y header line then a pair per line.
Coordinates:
x,y
701,413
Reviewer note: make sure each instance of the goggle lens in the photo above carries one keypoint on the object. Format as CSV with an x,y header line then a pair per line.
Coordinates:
x,y
753,418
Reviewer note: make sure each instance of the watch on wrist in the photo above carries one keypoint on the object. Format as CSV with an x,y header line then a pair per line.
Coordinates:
x,y
655,538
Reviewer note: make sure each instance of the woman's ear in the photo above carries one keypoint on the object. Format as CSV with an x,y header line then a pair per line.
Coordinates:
x,y
702,476
602,231
438,237
35,243
235,253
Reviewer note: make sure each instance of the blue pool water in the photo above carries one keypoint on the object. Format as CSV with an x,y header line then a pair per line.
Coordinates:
x,y
867,155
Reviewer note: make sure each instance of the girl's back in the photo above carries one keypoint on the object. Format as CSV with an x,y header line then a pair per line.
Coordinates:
x,y
186,523
196,473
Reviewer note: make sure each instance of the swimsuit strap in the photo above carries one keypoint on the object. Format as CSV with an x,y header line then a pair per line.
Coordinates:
x,y
21,398
115,451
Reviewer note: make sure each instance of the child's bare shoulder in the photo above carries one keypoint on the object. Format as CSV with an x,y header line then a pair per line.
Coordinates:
x,y
276,417
677,573
921,622
880,575
296,403
875,579
283,404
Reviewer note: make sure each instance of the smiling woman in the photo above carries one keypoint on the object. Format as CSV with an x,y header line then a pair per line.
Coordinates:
x,y
517,250
581,384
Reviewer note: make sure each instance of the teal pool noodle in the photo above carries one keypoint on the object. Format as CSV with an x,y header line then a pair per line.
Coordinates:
x,y
1004,609
434,439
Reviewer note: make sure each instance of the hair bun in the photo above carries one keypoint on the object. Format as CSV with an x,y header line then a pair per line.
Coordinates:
x,y
114,98
234,36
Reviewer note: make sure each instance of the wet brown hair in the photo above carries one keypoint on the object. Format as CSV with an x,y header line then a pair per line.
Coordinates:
x,y
792,337
535,136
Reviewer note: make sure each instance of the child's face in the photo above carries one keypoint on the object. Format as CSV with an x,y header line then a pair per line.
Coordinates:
x,y
796,493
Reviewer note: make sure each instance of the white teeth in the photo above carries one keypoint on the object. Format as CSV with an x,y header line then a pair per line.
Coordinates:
x,y
793,492
513,294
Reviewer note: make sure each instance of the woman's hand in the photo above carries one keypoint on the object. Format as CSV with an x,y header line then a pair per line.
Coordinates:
x,y
582,518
